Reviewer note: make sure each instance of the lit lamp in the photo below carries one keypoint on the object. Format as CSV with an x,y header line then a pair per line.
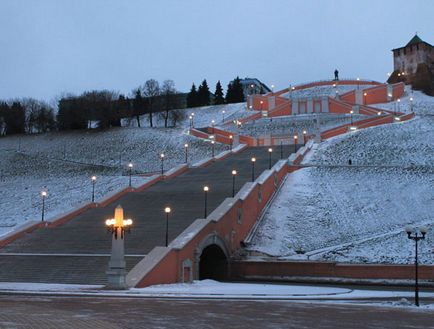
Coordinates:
x,y
130,170
351,113
212,125
231,141
415,236
399,102
358,83
117,226
261,102
253,160
167,210
295,143
304,137
93,180
191,121
205,191
212,147
162,163
364,98
44,195
234,173
411,104
223,114
272,89
270,150
186,152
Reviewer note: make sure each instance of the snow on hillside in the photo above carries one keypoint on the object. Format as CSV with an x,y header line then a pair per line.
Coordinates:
x,y
202,116
63,163
357,213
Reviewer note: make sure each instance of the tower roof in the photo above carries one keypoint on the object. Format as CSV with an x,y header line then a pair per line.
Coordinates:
x,y
414,40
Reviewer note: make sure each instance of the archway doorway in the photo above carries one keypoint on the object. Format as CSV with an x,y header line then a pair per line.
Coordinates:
x,y
213,264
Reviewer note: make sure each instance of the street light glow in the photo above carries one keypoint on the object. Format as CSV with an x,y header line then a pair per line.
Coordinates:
x,y
185,145
270,150
234,172
205,188
167,210
93,178
44,193
162,155
253,159
130,165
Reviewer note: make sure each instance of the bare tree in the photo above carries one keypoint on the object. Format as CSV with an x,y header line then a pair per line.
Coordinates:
x,y
151,90
168,94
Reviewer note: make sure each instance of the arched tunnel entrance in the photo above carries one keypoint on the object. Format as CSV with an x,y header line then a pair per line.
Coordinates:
x,y
213,264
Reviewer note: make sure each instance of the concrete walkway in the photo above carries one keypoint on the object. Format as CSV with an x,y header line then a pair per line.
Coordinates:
x,y
52,255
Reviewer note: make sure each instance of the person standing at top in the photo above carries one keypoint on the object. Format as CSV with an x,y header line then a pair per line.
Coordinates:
x,y
336,74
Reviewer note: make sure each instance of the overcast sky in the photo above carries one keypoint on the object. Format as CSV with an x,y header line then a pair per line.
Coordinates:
x,y
48,47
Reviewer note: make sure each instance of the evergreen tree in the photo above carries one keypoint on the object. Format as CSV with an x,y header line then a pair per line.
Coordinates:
x,y
192,97
203,94
219,99
238,92
230,94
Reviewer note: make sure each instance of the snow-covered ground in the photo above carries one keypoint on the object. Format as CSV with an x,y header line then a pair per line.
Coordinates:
x,y
290,125
323,91
209,289
357,213
63,163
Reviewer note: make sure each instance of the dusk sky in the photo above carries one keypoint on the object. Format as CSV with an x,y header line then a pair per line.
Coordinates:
x,y
48,47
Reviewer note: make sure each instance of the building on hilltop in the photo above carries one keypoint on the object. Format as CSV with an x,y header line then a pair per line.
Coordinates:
x,y
253,86
414,64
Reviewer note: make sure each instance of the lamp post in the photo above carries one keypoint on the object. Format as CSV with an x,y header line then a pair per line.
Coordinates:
x,y
270,150
253,160
364,98
411,104
223,114
130,169
44,194
295,143
162,163
358,83
304,137
192,119
231,141
234,173
205,191
399,102
212,125
167,210
272,89
117,226
186,152
93,180
415,236
212,147
351,113
261,102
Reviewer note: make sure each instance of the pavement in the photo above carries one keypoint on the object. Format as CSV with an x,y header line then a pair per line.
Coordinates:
x,y
89,312
78,251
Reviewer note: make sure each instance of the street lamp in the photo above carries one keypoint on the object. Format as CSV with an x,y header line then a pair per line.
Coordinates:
x,y
253,160
234,173
261,102
212,125
205,190
272,89
304,137
223,113
186,152
414,235
411,104
191,121
364,98
270,150
167,210
295,143
358,83
351,112
399,101
93,179
130,169
44,194
212,147
117,226
162,163
231,141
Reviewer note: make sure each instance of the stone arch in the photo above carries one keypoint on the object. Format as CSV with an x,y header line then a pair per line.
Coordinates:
x,y
212,259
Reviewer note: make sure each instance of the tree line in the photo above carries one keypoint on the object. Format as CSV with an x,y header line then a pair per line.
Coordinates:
x,y
105,108
202,96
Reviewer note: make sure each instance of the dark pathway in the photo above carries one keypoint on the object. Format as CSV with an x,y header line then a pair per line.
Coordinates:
x,y
78,251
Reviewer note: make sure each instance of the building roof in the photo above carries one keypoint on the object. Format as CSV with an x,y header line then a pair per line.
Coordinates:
x,y
414,41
